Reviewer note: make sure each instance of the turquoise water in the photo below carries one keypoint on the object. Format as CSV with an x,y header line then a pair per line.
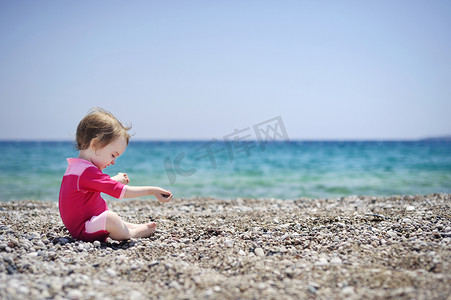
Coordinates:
x,y
287,170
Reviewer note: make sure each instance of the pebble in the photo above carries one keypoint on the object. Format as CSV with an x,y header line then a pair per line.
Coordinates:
x,y
312,289
259,252
23,290
322,261
348,291
392,234
199,252
111,272
228,243
336,261
153,263
136,295
175,285
75,294
34,235
62,240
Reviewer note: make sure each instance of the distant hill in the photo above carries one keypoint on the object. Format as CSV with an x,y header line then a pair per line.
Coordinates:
x,y
446,138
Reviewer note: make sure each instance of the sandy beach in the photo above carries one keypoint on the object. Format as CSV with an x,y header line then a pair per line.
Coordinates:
x,y
396,247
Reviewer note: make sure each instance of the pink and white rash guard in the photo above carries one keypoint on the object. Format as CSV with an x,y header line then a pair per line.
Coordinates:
x,y
80,199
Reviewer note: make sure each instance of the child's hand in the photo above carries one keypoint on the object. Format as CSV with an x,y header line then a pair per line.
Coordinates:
x,y
162,195
122,178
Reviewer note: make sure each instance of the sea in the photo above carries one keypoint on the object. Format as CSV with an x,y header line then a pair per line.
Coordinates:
x,y
225,170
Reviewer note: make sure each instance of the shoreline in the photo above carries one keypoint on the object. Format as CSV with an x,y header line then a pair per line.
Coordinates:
x,y
205,248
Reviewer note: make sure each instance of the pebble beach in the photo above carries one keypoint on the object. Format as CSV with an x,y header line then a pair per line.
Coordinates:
x,y
356,247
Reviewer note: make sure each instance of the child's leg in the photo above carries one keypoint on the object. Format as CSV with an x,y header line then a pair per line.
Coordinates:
x,y
120,231
131,225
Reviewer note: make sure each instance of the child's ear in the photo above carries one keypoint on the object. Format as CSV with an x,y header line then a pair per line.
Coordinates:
x,y
93,144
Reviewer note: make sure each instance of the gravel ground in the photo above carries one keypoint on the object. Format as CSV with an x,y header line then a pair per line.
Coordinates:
x,y
396,247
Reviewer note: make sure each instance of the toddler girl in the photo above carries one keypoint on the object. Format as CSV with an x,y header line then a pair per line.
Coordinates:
x,y
101,139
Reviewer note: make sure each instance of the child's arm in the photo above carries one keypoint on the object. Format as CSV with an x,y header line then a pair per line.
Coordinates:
x,y
138,191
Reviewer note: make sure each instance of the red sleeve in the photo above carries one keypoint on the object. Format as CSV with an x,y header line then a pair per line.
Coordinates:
x,y
93,180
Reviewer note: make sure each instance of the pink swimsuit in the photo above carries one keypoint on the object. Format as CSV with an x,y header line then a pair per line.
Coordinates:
x,y
81,207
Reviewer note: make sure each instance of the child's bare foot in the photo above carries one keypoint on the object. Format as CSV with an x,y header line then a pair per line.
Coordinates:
x,y
143,230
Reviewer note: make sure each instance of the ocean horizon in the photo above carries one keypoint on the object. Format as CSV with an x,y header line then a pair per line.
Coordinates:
x,y
244,169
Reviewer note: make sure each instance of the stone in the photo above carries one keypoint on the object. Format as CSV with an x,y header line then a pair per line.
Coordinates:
x,y
312,289
348,291
336,261
314,257
22,289
392,234
135,295
111,272
259,252
153,263
322,261
40,245
75,294
62,240
228,243
175,285
34,235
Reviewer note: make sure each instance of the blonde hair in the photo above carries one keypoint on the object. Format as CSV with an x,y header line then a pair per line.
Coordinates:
x,y
102,127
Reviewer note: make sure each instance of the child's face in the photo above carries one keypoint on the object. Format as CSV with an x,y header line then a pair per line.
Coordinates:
x,y
107,155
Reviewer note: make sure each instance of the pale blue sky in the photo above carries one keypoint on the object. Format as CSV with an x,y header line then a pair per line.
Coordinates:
x,y
200,69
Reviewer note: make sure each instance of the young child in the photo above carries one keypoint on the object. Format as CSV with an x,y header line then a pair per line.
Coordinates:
x,y
101,139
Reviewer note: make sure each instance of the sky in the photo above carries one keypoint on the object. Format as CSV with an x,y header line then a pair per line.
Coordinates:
x,y
197,70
